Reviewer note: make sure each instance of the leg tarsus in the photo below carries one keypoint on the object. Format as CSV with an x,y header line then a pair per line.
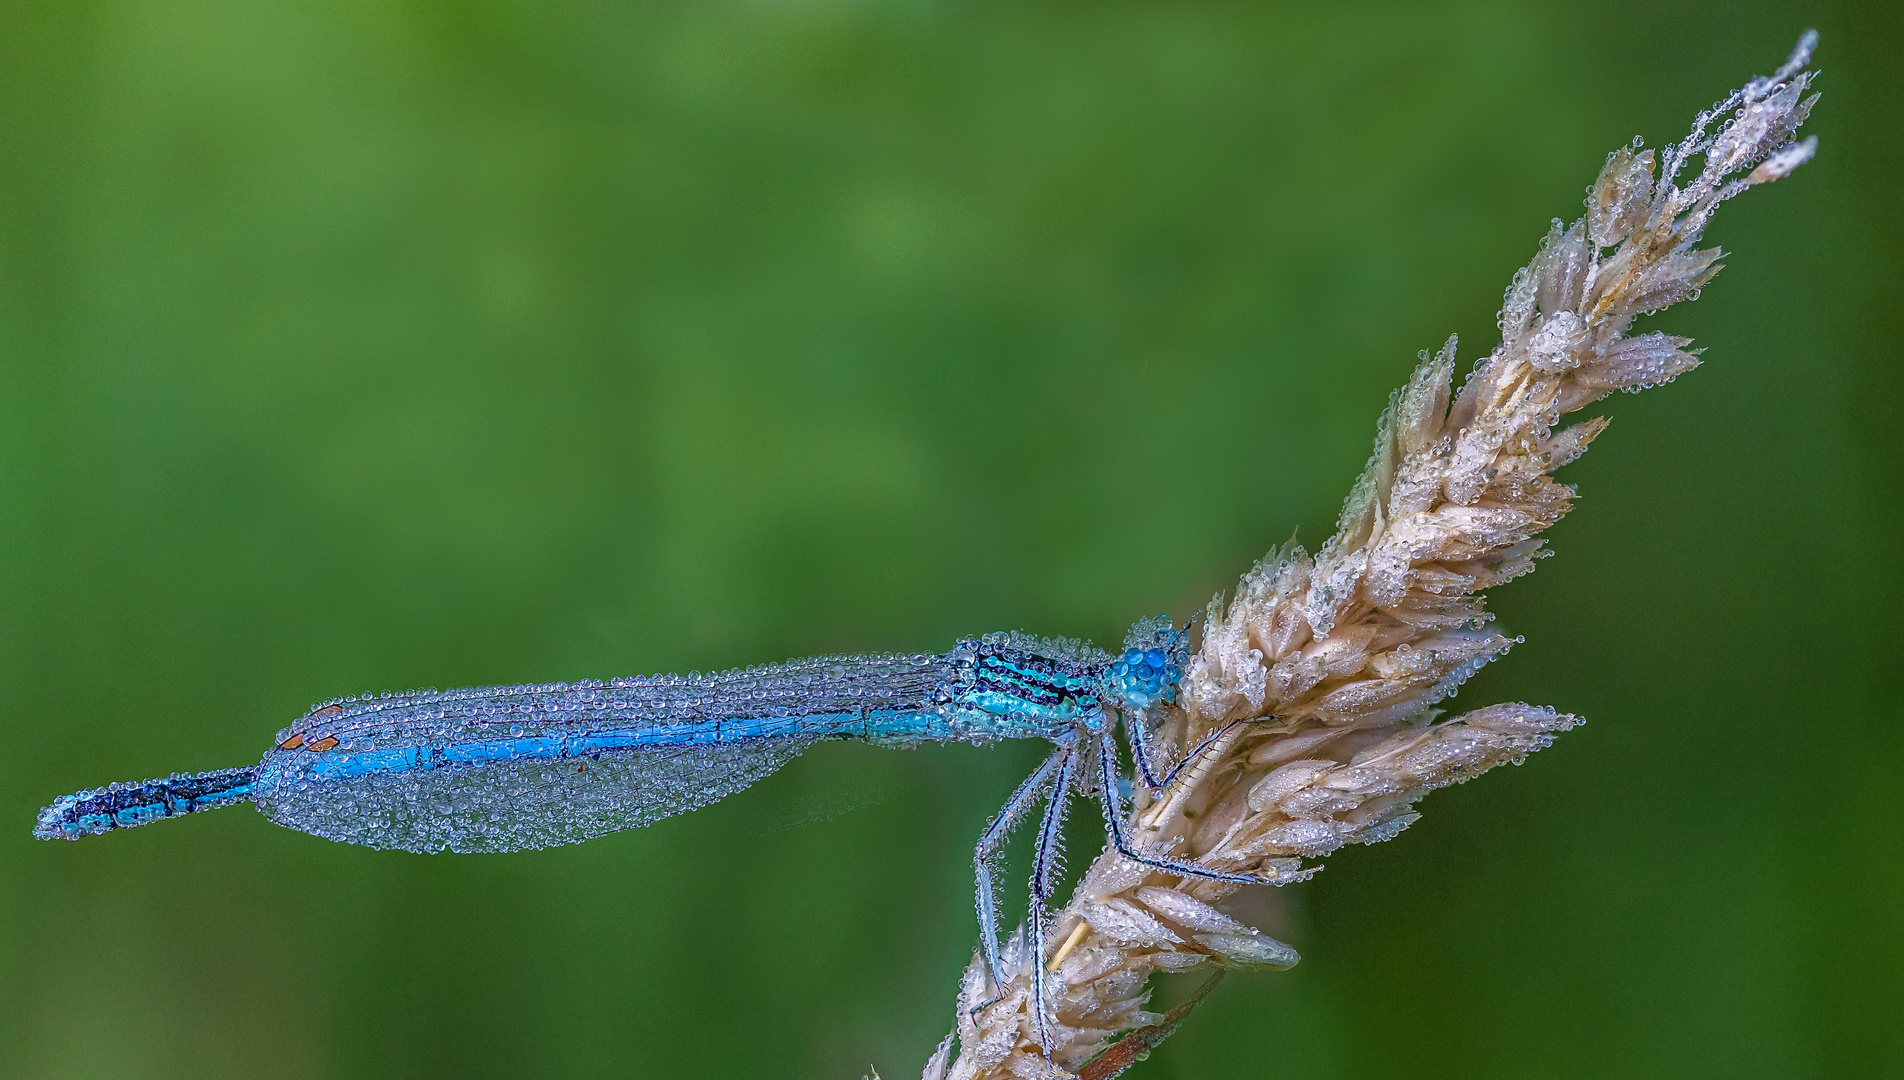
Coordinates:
x,y
1114,826
1137,732
1197,751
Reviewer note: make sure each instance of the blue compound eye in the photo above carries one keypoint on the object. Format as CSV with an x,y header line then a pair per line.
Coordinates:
x,y
1148,671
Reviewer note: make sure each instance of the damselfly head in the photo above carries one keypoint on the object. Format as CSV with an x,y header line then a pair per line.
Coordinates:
x,y
1151,665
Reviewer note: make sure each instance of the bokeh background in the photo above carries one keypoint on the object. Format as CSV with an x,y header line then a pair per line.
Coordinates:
x,y
353,345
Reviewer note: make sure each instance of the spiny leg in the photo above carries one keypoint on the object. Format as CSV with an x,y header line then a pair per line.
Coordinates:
x,y
1137,731
989,843
1047,860
1114,825
1046,864
1139,738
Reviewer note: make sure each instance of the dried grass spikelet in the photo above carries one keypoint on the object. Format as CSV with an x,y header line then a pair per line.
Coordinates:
x,y
1321,673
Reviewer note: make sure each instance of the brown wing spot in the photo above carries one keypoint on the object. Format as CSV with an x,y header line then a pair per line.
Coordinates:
x,y
293,742
322,744
327,712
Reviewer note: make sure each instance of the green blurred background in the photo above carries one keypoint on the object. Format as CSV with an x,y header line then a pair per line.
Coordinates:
x,y
348,346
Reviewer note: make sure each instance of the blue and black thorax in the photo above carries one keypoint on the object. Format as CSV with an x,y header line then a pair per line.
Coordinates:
x,y
1046,686
1043,684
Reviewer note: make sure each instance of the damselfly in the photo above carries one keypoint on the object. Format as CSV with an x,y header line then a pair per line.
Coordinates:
x,y
512,767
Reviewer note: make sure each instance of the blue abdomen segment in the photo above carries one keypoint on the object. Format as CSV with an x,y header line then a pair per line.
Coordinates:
x,y
901,727
125,806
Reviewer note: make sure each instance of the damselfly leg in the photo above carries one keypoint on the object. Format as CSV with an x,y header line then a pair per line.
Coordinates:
x,y
1120,838
1137,733
1047,863
985,856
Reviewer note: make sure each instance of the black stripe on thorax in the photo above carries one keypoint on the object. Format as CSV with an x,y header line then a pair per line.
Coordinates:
x,y
1040,680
